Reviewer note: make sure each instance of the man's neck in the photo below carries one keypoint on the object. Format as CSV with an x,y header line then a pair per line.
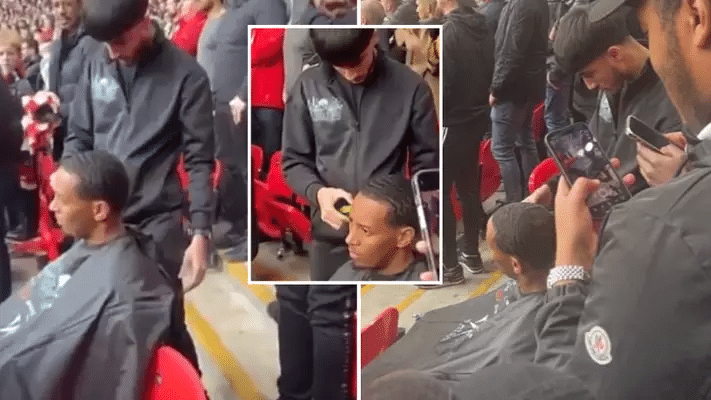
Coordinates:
x,y
448,8
639,56
398,263
533,282
105,233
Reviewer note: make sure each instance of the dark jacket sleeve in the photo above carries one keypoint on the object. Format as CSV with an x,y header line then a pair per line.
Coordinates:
x,y
299,147
511,57
198,137
80,121
10,127
556,324
424,148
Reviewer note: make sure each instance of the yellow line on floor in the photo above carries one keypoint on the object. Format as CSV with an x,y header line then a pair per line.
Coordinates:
x,y
484,286
239,270
365,289
410,298
240,382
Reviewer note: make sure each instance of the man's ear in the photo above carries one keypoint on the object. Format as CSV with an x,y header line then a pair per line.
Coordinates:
x,y
406,237
517,266
614,54
699,21
101,210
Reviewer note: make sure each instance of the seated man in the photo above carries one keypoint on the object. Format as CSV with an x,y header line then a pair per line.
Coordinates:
x,y
87,325
382,235
609,58
455,341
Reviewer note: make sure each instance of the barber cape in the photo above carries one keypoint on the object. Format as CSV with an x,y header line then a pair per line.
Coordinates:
x,y
87,325
455,341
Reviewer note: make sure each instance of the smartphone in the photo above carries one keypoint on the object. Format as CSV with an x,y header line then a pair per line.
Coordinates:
x,y
425,185
343,206
645,134
578,154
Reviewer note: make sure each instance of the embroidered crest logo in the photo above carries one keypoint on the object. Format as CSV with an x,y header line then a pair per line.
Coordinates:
x,y
104,89
325,109
605,111
598,344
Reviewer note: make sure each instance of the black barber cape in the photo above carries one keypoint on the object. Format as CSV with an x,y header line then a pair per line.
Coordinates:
x,y
455,341
349,273
86,326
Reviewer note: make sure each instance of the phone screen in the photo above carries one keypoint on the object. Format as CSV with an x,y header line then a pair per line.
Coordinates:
x,y
640,131
578,154
426,186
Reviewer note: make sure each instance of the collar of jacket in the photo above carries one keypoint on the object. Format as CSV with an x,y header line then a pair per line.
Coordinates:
x,y
648,75
380,60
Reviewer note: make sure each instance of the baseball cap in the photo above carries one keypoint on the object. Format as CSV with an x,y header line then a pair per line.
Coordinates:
x,y
522,382
105,20
602,8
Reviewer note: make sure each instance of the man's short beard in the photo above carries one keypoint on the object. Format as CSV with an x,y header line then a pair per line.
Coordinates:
x,y
693,111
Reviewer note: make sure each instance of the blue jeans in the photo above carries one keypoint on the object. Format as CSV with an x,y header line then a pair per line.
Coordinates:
x,y
511,128
557,101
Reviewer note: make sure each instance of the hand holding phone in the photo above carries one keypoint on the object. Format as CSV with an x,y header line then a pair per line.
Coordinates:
x,y
578,154
645,135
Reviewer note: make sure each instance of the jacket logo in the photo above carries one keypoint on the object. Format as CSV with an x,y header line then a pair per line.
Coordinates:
x,y
325,109
104,89
598,344
605,111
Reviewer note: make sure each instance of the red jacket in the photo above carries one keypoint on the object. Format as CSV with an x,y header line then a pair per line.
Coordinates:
x,y
268,68
188,33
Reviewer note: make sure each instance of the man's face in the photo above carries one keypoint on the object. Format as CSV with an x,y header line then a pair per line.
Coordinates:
x,y
66,13
501,261
674,56
28,51
389,5
603,74
333,8
371,240
358,72
128,45
8,59
73,214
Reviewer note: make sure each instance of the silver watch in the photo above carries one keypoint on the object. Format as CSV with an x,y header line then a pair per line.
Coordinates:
x,y
201,232
566,273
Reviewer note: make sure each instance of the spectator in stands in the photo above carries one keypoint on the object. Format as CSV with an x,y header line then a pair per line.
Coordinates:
x,y
46,26
11,65
453,342
205,51
229,83
165,113
400,12
30,54
382,234
429,12
608,58
87,324
267,90
11,136
372,12
190,25
329,12
659,236
467,77
517,86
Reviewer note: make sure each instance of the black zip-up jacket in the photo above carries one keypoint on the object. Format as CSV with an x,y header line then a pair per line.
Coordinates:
x,y
11,133
327,142
167,111
313,16
521,49
492,11
466,74
649,294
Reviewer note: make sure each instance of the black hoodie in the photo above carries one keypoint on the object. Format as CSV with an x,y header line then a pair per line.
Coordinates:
x,y
469,48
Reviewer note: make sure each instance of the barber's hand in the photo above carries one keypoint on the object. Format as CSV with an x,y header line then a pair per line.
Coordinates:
x,y
576,238
238,108
195,262
492,100
327,198
541,196
658,169
421,247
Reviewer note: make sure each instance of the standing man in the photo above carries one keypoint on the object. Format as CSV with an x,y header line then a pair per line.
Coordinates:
x,y
518,85
229,85
333,145
147,102
11,137
466,78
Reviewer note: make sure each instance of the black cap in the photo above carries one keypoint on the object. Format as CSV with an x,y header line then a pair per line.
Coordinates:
x,y
105,20
602,8
522,382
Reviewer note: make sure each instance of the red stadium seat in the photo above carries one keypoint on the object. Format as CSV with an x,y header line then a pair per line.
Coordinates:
x,y
172,377
542,173
538,122
278,186
490,177
257,161
378,336
290,218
